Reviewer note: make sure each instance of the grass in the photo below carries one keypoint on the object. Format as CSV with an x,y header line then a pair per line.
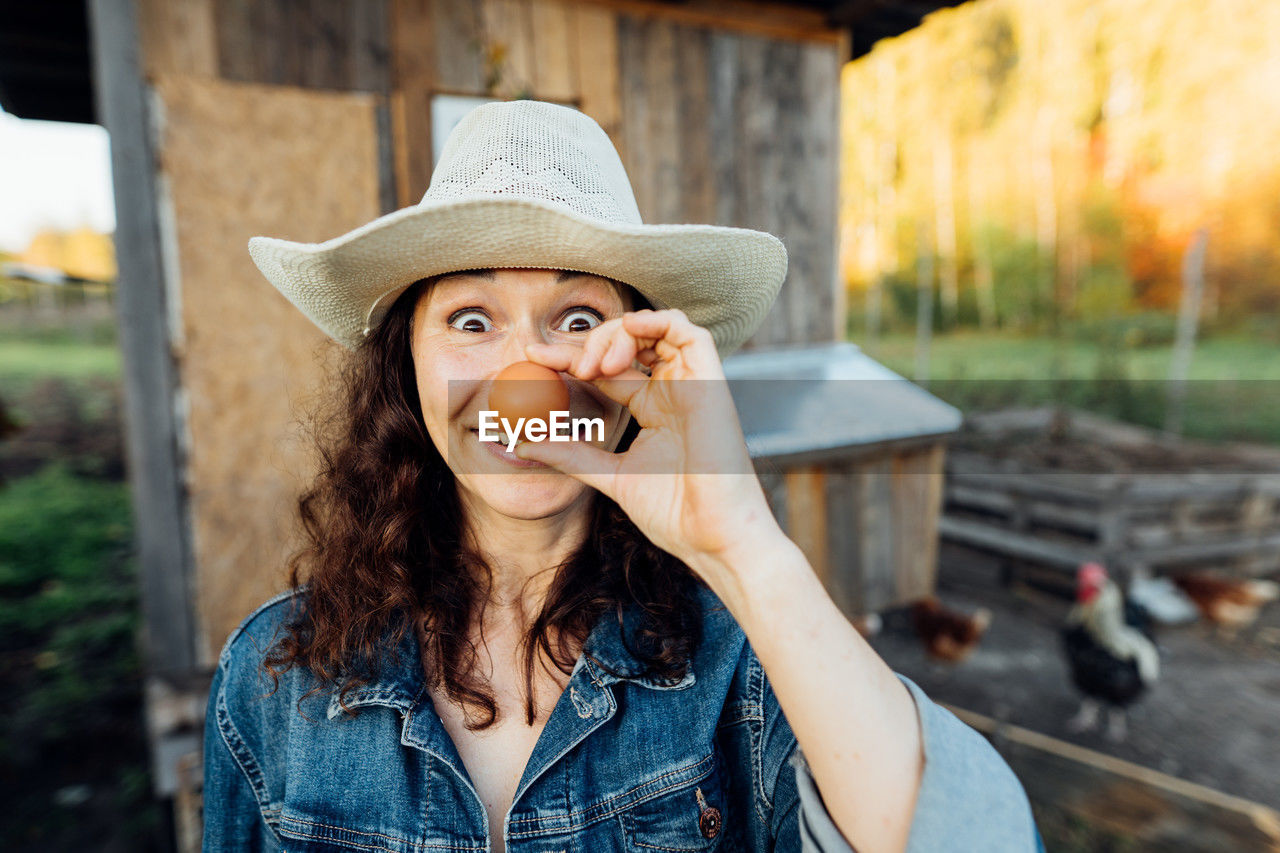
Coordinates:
x,y
73,732
987,356
1232,393
73,749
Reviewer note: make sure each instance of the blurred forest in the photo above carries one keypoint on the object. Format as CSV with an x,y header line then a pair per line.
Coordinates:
x,y
1043,167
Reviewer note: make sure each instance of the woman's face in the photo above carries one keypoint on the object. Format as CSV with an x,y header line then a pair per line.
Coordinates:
x,y
466,328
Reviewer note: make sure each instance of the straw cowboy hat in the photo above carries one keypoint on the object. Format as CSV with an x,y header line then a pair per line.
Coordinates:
x,y
529,184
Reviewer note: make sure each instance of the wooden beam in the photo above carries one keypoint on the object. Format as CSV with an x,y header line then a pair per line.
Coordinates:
x,y
153,430
764,19
1154,809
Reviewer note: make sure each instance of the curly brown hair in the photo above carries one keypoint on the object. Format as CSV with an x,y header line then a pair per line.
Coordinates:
x,y
386,551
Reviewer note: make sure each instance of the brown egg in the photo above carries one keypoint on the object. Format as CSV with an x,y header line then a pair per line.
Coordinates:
x,y
528,390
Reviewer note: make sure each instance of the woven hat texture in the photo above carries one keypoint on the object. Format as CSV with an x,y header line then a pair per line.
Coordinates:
x,y
529,184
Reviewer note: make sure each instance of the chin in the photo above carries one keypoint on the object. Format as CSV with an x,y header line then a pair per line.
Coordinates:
x,y
528,495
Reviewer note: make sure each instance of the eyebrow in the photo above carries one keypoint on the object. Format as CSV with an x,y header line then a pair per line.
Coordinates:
x,y
562,275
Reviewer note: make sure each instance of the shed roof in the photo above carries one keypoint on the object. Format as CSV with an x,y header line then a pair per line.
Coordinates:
x,y
828,399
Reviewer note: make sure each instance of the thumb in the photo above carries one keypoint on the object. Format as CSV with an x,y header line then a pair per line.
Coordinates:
x,y
585,462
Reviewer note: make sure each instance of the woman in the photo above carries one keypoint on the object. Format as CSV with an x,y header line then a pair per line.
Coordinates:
x,y
595,646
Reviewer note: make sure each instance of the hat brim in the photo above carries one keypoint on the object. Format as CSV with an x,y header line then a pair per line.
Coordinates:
x,y
724,278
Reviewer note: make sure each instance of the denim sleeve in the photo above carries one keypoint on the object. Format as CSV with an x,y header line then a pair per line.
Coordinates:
x,y
233,818
969,799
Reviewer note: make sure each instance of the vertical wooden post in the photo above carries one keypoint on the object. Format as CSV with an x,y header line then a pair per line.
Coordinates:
x,y
807,517
153,430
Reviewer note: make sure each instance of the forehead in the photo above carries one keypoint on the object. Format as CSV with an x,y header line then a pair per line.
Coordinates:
x,y
490,280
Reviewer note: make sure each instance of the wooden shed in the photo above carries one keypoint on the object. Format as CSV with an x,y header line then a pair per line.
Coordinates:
x,y
851,458
304,118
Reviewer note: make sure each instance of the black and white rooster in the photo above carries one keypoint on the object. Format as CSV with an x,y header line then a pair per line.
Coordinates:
x,y
1110,649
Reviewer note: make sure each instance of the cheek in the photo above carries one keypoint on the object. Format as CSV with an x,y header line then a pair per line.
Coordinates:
x,y
443,386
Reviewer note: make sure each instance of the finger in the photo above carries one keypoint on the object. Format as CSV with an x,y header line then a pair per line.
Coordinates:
x,y
555,356
674,334
623,387
598,341
619,355
582,461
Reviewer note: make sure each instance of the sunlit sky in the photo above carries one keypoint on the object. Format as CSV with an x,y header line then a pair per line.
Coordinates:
x,y
52,175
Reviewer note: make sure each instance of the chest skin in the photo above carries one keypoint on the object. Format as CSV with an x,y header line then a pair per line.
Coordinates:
x,y
495,757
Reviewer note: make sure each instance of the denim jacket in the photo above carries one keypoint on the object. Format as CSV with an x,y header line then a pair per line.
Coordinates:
x,y
623,764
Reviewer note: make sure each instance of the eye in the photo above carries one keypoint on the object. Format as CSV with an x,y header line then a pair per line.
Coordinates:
x,y
581,319
472,320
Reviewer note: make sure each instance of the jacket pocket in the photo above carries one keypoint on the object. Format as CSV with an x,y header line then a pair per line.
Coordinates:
x,y
690,816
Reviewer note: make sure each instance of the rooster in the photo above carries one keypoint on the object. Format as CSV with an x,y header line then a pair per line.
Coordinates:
x,y
1110,650
947,635
1227,602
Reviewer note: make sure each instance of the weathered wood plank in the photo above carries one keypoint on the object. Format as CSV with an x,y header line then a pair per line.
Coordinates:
x,y
508,33
413,73
738,16
633,37
322,44
807,517
724,55
662,135
1157,811
457,39
880,553
917,489
695,141
178,37
555,61
845,533
594,32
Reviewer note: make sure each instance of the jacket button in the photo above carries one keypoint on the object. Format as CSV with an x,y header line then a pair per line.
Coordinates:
x,y
709,822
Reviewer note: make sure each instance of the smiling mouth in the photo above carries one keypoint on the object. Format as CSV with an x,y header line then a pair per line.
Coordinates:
x,y
500,448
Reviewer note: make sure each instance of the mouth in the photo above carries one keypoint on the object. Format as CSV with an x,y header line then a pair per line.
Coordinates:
x,y
499,450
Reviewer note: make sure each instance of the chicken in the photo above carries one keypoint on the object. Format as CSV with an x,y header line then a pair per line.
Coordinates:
x,y
1110,651
1228,602
948,635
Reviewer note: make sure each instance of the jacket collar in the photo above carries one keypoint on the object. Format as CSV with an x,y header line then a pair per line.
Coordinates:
x,y
400,684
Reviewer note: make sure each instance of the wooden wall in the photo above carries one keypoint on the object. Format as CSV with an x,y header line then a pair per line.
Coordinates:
x,y
867,523
723,112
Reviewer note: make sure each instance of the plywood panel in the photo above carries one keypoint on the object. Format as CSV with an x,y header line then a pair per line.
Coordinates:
x,y
240,160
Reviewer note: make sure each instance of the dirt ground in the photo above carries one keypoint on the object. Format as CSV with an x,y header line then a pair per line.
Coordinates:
x,y
1213,717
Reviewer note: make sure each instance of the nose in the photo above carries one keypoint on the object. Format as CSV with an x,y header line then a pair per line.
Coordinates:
x,y
525,332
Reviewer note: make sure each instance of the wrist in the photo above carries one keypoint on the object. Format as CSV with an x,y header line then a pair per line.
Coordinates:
x,y
757,564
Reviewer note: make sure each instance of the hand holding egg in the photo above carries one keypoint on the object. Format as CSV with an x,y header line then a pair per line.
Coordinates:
x,y
699,497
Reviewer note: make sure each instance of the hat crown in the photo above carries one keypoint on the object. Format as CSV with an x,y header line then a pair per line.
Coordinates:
x,y
534,150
